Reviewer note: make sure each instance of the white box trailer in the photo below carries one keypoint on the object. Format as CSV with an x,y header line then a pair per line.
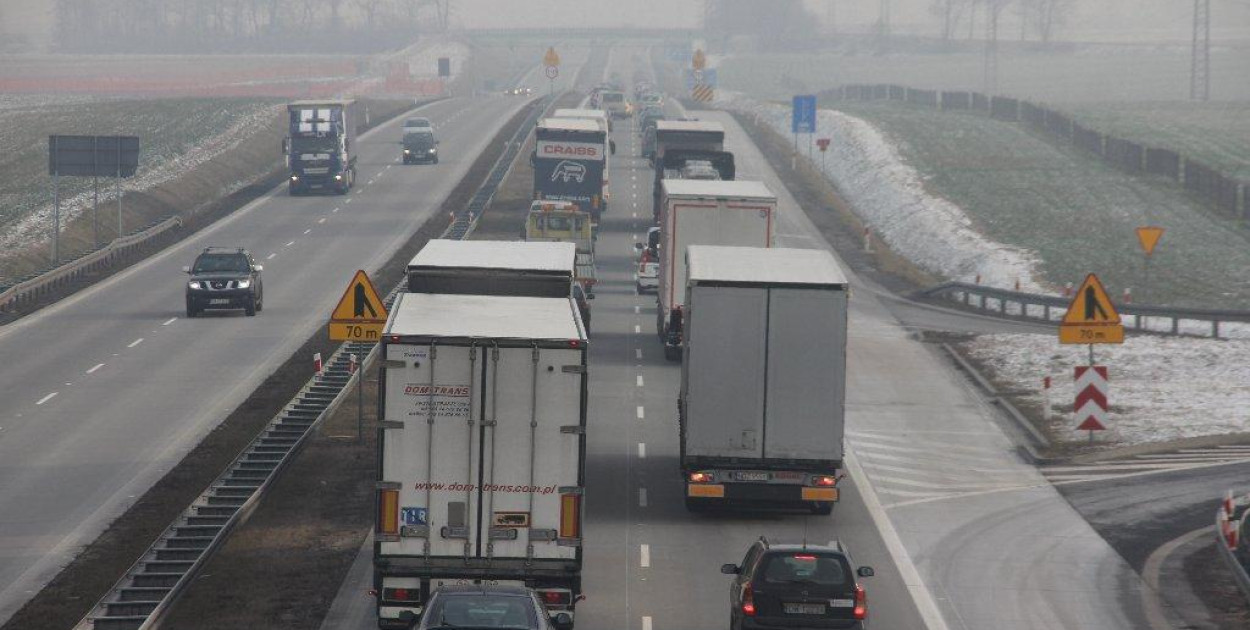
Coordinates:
x,y
704,212
763,377
533,269
481,449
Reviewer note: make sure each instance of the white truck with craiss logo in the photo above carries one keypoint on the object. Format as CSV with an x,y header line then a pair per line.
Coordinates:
x,y
481,449
571,162
763,377
704,212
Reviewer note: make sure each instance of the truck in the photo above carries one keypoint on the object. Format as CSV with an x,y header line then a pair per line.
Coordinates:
x,y
763,378
320,146
507,268
482,450
683,147
570,162
704,212
614,103
565,222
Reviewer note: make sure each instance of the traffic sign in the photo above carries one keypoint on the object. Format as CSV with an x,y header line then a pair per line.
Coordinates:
x,y
707,77
552,72
1091,397
823,144
360,314
803,119
1149,237
552,58
699,60
1091,318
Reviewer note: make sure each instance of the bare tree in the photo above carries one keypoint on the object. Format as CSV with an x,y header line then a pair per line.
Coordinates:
x,y
1049,16
950,11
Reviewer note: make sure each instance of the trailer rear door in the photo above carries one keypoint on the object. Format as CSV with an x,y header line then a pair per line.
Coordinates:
x,y
725,413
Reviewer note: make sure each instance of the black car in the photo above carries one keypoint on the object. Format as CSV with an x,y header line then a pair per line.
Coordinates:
x,y
480,606
797,586
223,278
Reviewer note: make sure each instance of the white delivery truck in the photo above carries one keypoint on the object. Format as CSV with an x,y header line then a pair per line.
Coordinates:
x,y
763,377
481,449
704,212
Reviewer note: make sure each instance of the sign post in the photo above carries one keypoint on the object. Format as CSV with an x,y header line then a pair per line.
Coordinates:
x,y
89,156
1148,237
360,314
552,61
1091,319
823,143
802,120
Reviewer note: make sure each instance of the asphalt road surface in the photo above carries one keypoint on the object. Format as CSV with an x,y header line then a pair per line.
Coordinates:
x,y
107,390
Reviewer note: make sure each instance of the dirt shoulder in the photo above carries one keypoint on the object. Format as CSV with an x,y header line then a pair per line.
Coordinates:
x,y
321,519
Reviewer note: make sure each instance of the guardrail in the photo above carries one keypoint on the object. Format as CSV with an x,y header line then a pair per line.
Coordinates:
x,y
1019,305
32,289
1232,526
141,599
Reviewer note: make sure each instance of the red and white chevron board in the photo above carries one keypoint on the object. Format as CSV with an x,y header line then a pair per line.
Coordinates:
x,y
702,93
1091,397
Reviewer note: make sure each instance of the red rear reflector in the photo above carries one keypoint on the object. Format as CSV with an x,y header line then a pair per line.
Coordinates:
x,y
388,512
861,603
573,343
407,595
556,598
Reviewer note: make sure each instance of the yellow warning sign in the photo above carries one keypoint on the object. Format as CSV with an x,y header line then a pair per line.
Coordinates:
x,y
551,59
700,60
1091,318
1149,237
360,314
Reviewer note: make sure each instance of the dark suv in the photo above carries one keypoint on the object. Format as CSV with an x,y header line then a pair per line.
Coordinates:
x,y
224,278
797,586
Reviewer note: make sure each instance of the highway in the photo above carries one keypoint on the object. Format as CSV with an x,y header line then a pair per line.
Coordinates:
x,y
114,385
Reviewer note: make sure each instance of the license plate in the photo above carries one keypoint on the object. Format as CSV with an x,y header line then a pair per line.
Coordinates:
x,y
751,476
803,609
219,301
842,603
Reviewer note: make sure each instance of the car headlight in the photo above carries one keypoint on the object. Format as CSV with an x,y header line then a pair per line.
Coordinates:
x,y
194,284
406,151
338,178
295,178
433,150
243,284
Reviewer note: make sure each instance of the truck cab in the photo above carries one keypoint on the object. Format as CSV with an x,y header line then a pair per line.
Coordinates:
x,y
320,146
565,222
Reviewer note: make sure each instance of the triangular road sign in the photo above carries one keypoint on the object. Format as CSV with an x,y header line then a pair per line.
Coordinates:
x,y
1091,318
1149,237
360,302
552,58
699,61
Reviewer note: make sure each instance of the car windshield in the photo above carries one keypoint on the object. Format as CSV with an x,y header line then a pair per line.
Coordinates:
x,y
218,263
417,122
802,568
482,611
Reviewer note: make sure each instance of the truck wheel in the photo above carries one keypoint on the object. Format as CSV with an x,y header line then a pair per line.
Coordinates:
x,y
672,353
824,508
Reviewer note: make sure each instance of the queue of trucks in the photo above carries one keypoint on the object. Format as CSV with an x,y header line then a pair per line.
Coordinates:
x,y
483,384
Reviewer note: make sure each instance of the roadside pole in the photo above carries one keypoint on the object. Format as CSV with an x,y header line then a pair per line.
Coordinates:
x,y
56,220
353,366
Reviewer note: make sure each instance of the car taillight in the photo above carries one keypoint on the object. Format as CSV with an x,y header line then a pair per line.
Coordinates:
x,y
805,558
401,595
824,480
701,477
556,598
748,600
861,603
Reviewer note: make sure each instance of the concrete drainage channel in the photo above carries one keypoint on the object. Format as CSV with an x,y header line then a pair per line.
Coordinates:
x,y
140,599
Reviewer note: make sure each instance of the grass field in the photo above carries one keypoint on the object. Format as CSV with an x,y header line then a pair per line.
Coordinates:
x,y
1216,134
1076,213
1084,74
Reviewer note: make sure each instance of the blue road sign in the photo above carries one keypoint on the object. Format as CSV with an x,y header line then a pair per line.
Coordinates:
x,y
803,120
706,76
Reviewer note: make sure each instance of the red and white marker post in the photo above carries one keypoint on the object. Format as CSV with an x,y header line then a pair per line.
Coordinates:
x,y
317,363
1091,398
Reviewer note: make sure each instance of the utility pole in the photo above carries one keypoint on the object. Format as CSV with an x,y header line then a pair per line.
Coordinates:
x,y
1200,62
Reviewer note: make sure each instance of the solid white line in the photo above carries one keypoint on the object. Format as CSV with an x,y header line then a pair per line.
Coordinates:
x,y
637,329
641,412
97,366
642,450
170,321
642,497
637,353
270,257
46,398
308,230
907,571
645,555
646,623
135,342
321,220
640,380
289,244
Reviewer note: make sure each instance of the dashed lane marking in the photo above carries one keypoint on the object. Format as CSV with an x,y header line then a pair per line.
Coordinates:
x,y
289,244
321,220
642,450
644,555
646,623
270,257
46,398
637,353
307,231
642,497
135,342
170,321
642,413
637,329
640,380
97,366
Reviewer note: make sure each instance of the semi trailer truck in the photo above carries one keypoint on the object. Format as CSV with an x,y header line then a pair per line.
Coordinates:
x,y
320,146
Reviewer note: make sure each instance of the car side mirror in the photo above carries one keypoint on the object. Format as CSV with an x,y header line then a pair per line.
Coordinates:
x,y
865,572
562,621
186,270
730,569
612,146
259,267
